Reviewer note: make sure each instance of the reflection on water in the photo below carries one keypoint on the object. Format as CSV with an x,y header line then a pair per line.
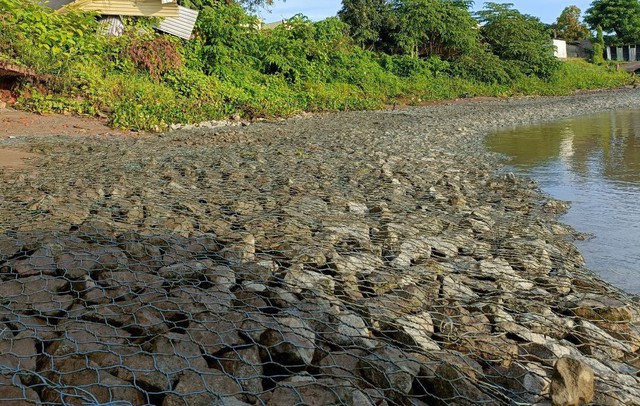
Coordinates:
x,y
594,162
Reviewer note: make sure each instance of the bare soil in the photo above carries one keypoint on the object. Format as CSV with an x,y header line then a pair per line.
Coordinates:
x,y
16,123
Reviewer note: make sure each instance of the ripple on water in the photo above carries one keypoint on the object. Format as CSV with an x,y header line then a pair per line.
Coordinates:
x,y
594,162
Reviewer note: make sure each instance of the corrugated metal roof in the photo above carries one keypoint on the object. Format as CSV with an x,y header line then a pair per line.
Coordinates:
x,y
112,25
139,8
181,26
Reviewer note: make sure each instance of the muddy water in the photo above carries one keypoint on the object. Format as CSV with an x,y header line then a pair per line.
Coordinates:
x,y
594,162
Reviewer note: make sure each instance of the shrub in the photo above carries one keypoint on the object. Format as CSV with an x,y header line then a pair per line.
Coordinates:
x,y
157,55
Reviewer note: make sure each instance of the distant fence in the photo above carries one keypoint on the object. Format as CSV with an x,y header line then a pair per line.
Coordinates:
x,y
624,53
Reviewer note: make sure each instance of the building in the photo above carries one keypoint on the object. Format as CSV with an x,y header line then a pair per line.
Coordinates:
x,y
176,20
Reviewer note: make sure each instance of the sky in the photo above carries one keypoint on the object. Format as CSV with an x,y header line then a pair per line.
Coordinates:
x,y
546,10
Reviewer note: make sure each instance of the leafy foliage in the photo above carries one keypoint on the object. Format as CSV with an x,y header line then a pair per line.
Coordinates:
x,y
569,27
621,17
519,39
44,40
156,55
148,81
434,27
598,47
370,21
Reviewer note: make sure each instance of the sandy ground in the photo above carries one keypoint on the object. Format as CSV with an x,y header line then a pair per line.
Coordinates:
x,y
16,123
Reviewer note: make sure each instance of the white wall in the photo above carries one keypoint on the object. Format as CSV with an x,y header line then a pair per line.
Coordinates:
x,y
561,49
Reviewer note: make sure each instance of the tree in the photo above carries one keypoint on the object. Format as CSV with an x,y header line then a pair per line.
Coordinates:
x,y
621,17
444,28
249,4
598,47
368,20
519,39
569,27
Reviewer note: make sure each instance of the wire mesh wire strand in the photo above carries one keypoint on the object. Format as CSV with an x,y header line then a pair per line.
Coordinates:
x,y
303,265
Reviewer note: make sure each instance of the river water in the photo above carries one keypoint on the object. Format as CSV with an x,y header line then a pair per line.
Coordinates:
x,y
593,162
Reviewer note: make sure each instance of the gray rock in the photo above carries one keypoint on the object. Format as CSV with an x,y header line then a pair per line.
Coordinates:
x,y
391,371
313,393
185,272
203,388
291,344
522,383
44,295
298,278
451,386
245,366
347,330
78,377
14,393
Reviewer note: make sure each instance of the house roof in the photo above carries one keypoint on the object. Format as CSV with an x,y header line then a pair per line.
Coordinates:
x,y
139,8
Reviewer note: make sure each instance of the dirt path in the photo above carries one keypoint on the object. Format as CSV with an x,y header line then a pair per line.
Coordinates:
x,y
15,123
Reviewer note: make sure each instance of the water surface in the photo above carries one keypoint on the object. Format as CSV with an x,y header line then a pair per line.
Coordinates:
x,y
594,162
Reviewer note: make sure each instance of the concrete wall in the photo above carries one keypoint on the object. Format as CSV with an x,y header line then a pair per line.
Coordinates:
x,y
561,49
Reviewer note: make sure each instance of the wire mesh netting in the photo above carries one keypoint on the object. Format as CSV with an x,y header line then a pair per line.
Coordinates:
x,y
298,264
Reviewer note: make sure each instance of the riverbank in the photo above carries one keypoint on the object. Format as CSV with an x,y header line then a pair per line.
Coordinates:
x,y
355,258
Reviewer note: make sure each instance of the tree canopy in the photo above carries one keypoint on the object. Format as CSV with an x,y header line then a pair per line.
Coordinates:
x,y
621,17
569,27
518,38
249,4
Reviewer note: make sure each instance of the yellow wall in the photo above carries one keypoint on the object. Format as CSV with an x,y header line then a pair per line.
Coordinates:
x,y
146,8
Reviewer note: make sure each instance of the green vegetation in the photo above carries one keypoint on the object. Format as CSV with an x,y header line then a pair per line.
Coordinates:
x,y
569,27
621,17
411,51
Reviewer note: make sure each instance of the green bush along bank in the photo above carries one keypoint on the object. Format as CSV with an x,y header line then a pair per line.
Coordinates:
x,y
146,81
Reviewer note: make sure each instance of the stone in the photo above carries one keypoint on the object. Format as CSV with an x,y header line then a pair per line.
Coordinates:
x,y
343,365
532,256
245,366
78,377
241,251
313,393
391,371
203,388
521,332
9,247
145,256
412,330
598,343
451,386
453,288
594,307
18,353
14,393
124,285
411,251
182,273
496,349
222,277
260,271
41,262
216,331
441,248
360,209
453,320
297,278
347,330
44,295
572,383
291,344
522,383
98,342
547,353
210,300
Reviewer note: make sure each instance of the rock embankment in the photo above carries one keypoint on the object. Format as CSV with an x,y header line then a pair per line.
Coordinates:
x,y
361,259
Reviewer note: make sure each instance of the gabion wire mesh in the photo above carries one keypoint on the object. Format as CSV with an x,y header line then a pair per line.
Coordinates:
x,y
299,264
